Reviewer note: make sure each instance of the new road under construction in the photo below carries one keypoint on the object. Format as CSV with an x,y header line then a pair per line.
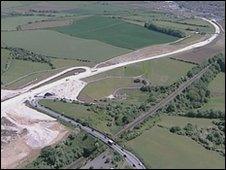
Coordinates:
x,y
68,85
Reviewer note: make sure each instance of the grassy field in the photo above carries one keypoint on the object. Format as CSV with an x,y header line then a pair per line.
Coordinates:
x,y
134,96
105,87
18,79
10,23
5,59
161,149
97,120
115,32
179,25
59,63
20,68
31,77
52,43
163,71
217,90
169,121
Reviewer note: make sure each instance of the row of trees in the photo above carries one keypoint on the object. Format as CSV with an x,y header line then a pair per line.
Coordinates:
x,y
197,93
211,114
22,54
166,30
77,145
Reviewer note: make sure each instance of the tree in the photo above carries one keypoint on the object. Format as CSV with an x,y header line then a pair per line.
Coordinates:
x,y
125,120
175,129
170,108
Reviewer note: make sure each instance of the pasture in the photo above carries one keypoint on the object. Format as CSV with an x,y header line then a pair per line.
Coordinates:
x,y
59,45
161,149
115,32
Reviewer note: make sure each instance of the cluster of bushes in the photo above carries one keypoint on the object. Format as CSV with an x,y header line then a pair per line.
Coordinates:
x,y
211,114
197,93
22,54
43,11
211,138
30,14
138,129
169,31
77,145
121,114
220,124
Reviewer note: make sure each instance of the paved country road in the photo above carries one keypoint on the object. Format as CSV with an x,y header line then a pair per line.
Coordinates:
x,y
130,158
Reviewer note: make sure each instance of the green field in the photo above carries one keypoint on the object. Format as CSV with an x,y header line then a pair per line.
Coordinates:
x,y
19,68
18,78
10,23
96,120
135,96
161,149
217,90
169,121
60,63
105,87
55,44
5,59
179,25
34,77
115,32
163,71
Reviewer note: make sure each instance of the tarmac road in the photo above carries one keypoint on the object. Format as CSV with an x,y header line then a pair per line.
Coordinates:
x,y
129,157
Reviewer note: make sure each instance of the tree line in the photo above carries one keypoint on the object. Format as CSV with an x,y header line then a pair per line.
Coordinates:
x,y
166,30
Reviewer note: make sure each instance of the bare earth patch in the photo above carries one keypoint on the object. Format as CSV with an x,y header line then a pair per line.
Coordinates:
x,y
24,132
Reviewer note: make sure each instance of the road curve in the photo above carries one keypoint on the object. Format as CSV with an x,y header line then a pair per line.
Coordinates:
x,y
29,94
130,158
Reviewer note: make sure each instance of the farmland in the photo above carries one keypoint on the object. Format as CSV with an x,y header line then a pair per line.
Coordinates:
x,y
161,149
10,23
64,46
115,32
146,84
